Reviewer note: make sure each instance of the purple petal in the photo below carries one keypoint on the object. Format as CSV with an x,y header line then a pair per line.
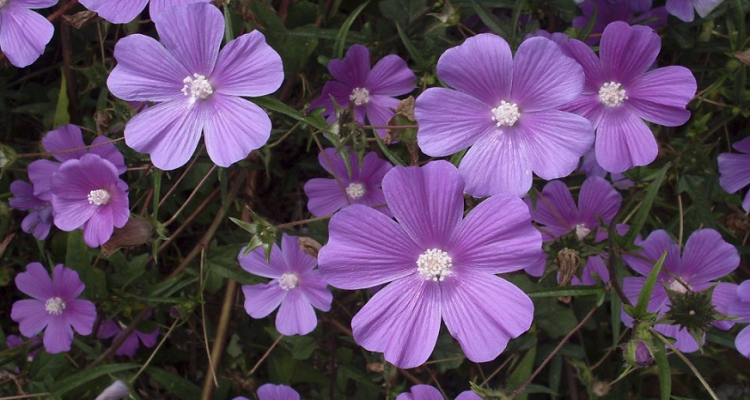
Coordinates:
x,y
661,95
35,282
374,168
497,163
256,264
594,266
333,162
36,3
108,329
58,336
741,310
704,7
743,291
98,229
421,392
234,128
427,201
339,92
724,295
314,288
543,77
31,316
148,339
481,67
483,312
23,34
325,196
23,196
353,69
38,223
682,9
40,174
61,141
734,170
587,106
585,56
145,71
366,249
685,341
623,141
66,283
598,199
262,299
658,303
496,237
402,320
129,347
391,77
157,6
450,121
247,66
468,395
105,148
708,257
168,131
380,110
276,392
626,52
742,342
117,12
296,315
653,248
295,259
555,209
193,34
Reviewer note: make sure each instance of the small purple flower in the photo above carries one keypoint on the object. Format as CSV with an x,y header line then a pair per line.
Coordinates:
x,y
371,92
706,258
24,33
426,392
683,9
363,186
39,220
440,265
66,143
558,214
55,306
735,170
15,341
506,110
197,88
270,391
741,308
609,11
619,94
116,391
122,12
296,286
87,193
130,346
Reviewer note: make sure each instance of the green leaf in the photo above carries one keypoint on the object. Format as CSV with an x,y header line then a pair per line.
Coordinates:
x,y
175,384
413,52
83,377
665,374
251,228
522,372
387,152
642,215
61,111
402,12
567,291
338,46
78,257
275,105
490,20
584,34
640,309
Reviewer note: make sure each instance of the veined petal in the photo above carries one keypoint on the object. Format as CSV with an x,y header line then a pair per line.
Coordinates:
x,y
262,299
61,141
682,9
105,148
255,262
653,248
325,196
708,257
248,66
354,68
704,7
31,316
626,52
23,34
742,342
193,34
66,283
598,199
315,289
685,342
58,336
661,95
40,175
116,12
734,170
585,56
233,128
724,295
623,141
555,209
81,315
391,77
35,282
296,315
33,4
421,392
380,110
295,259
98,229
157,6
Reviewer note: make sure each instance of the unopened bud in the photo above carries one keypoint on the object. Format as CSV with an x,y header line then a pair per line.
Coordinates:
x,y
135,233
601,388
638,353
309,246
376,367
568,260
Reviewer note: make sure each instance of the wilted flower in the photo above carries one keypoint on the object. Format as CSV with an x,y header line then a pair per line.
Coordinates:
x,y
196,87
735,170
87,193
370,91
506,110
683,9
706,258
362,187
24,33
129,347
426,392
39,220
608,11
440,265
270,391
122,12
55,306
619,94
296,287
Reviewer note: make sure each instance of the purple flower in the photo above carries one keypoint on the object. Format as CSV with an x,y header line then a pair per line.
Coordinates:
x,y
66,143
609,11
558,37
741,308
619,94
129,347
24,33
643,354
55,306
15,341
116,391
39,220
363,186
558,214
683,9
591,167
122,12
296,286
506,110
274,392
440,265
196,87
706,258
735,170
371,92
426,392
87,193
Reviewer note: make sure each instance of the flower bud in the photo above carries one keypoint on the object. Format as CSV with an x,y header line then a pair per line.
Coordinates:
x,y
310,246
638,353
135,233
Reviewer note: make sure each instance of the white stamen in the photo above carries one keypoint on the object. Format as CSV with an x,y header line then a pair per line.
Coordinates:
x,y
582,231
360,96
506,114
676,286
197,87
355,190
288,281
99,197
435,265
55,306
611,94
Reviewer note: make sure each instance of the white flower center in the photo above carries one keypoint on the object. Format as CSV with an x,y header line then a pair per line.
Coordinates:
x,y
99,197
360,96
197,87
4,3
435,265
355,190
288,281
676,286
611,94
55,306
582,231
506,114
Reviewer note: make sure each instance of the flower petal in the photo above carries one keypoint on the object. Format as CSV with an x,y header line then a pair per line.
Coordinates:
x,y
276,392
234,128
157,6
352,71
296,315
497,163
98,228
734,170
682,9
742,342
35,282
585,56
256,264
623,141
40,174
262,299
325,196
653,248
105,148
295,259
421,392
391,77
60,141
708,257
23,34
379,111
483,312
81,315
684,340
31,316
598,199
661,95
66,282
248,66
314,287
724,295
556,210
626,52
402,320
58,336
116,12
193,34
